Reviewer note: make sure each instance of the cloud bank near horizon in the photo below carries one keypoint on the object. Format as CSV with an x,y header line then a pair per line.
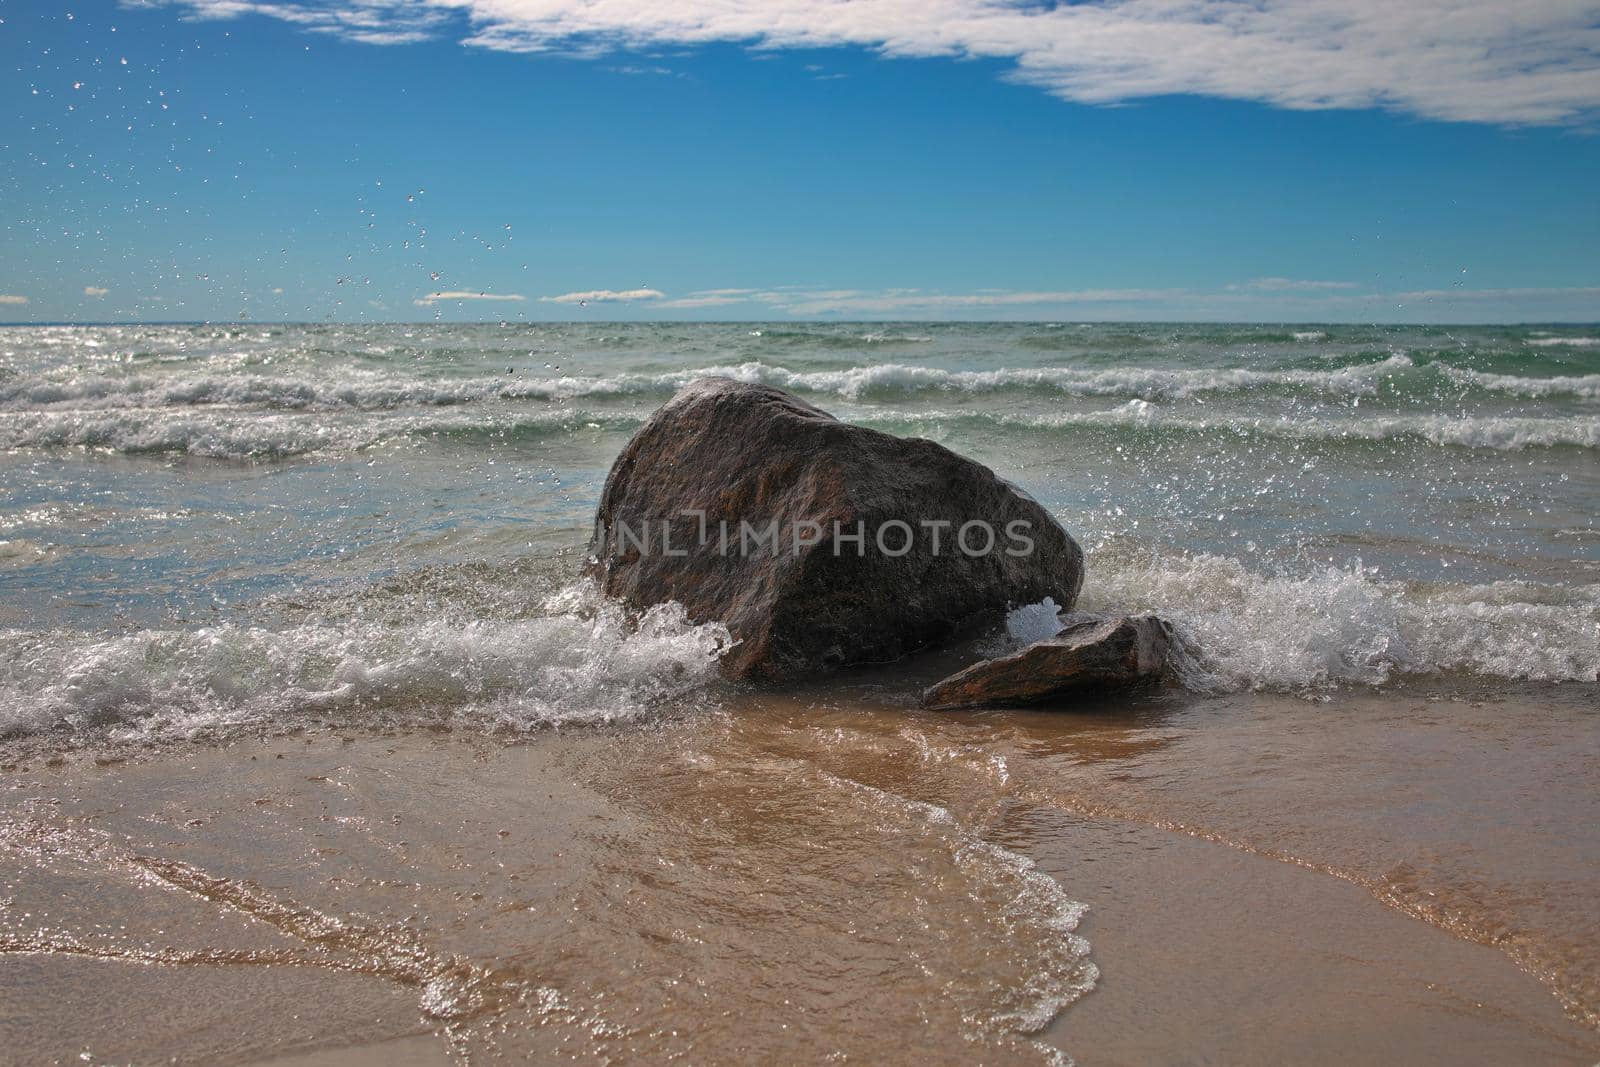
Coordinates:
x,y
604,296
1271,299
1535,62
435,298
1250,298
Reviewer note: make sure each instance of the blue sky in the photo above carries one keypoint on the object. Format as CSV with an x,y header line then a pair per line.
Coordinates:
x,y
376,160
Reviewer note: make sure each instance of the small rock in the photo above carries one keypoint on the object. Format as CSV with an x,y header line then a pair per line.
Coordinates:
x,y
1094,656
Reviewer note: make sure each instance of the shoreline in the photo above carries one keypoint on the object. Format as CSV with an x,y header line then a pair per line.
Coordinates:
x,y
330,873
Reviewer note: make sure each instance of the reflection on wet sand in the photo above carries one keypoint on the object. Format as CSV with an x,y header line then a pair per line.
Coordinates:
x,y
848,875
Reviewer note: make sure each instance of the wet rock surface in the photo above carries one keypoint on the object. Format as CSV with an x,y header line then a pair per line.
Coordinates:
x,y
872,536
1095,656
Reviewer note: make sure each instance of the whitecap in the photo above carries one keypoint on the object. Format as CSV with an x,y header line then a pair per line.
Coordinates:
x,y
582,660
1502,433
1574,342
373,390
1321,626
232,434
1585,386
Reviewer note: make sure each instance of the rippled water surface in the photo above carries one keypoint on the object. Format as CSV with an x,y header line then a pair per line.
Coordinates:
x,y
1315,504
295,662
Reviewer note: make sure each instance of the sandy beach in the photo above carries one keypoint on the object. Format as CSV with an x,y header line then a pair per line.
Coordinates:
x,y
799,532
1204,881
317,748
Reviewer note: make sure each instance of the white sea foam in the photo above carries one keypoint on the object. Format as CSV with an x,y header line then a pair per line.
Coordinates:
x,y
1034,911
373,390
579,662
1145,382
1319,627
1586,386
227,433
1033,622
366,389
880,337
1504,433
1573,342
232,434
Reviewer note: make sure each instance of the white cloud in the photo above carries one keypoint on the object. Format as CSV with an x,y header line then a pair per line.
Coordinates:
x,y
712,298
1580,292
847,302
604,296
12,298
1269,298
1261,299
434,298
1465,60
95,291
1292,285
382,22
706,301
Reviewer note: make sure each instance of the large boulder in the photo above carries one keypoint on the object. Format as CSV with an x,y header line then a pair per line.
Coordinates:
x,y
876,546
1094,656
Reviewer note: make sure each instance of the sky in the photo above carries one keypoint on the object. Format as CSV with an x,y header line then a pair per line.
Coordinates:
x,y
528,160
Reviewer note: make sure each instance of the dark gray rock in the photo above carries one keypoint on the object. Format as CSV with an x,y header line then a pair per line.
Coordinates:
x,y
756,455
1088,657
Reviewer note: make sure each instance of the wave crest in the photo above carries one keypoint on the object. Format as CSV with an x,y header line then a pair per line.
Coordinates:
x,y
368,390
583,661
1347,625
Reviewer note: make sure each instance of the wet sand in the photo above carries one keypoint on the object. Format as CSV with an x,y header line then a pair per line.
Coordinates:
x,y
1408,875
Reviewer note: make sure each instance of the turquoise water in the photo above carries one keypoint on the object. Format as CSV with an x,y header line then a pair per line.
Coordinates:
x,y
232,523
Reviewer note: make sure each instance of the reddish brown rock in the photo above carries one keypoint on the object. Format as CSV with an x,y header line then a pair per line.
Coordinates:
x,y
749,457
1094,656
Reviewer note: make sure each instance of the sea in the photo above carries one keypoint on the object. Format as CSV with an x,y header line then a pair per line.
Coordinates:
x,y
1383,543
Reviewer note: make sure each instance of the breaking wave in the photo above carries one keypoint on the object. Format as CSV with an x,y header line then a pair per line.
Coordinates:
x,y
233,434
275,435
368,390
1585,386
1504,433
580,662
1572,342
1348,625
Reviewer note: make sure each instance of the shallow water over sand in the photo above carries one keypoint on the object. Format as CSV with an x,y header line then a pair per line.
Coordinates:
x,y
312,742
1411,875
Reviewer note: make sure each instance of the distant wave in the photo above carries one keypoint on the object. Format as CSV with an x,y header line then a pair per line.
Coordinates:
x,y
233,434
362,391
835,338
1149,383
1348,625
369,390
255,435
1574,342
1586,386
1505,433
581,662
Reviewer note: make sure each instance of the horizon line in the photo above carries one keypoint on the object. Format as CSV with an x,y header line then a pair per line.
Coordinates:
x,y
504,324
